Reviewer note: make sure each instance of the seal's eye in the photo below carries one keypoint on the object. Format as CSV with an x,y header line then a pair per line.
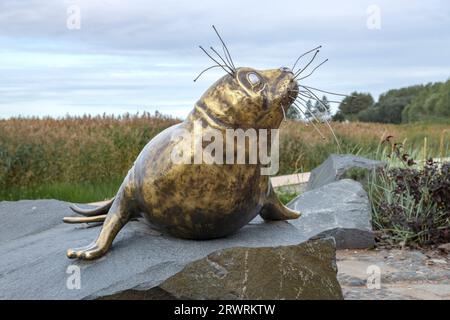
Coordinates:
x,y
251,81
253,78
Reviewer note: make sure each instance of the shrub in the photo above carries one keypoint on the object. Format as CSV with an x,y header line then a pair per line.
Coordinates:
x,y
411,204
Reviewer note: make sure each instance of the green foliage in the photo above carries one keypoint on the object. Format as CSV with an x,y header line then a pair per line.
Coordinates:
x,y
66,191
357,174
286,196
338,116
412,206
352,105
390,105
410,201
432,103
409,104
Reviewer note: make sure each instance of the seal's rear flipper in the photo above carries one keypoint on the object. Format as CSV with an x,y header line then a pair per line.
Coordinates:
x,y
93,212
99,218
273,209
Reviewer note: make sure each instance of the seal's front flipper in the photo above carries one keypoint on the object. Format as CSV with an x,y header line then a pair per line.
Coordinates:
x,y
118,215
273,209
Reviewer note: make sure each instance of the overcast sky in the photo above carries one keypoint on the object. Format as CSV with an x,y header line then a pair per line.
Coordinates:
x,y
141,55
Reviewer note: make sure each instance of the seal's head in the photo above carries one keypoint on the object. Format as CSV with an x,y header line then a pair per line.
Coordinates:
x,y
249,98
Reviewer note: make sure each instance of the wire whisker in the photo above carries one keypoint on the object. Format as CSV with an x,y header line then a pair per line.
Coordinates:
x,y
296,107
209,68
206,52
324,91
313,98
226,56
302,93
317,67
307,65
305,95
309,110
220,57
326,121
304,54
284,113
225,46
304,99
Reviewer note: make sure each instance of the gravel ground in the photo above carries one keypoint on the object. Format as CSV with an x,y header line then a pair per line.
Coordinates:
x,y
394,274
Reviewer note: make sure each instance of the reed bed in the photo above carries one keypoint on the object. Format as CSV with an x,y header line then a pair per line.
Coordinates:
x,y
85,158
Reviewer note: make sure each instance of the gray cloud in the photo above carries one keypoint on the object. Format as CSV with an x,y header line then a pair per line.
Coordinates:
x,y
136,55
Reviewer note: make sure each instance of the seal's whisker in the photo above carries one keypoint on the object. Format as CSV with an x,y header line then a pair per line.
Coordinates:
x,y
326,121
304,114
204,70
206,52
324,91
304,54
296,107
302,93
309,109
307,65
302,98
224,62
307,95
313,98
225,46
305,105
317,67
284,113
226,56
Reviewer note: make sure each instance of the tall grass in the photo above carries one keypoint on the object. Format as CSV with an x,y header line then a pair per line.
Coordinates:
x,y
85,158
75,158
302,149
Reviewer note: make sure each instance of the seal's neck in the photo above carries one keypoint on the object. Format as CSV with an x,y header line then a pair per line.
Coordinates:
x,y
199,113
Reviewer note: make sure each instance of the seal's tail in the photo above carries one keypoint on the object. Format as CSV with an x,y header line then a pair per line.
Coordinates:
x,y
90,215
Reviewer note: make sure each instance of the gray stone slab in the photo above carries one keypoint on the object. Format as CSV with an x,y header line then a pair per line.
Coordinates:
x,y
27,217
33,242
337,166
340,209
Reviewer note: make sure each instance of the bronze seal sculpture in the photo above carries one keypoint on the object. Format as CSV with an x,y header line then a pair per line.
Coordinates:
x,y
206,200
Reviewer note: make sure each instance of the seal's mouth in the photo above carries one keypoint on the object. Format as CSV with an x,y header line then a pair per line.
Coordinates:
x,y
292,92
291,89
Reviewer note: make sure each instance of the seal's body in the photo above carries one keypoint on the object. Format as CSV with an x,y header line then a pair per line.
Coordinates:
x,y
201,201
195,201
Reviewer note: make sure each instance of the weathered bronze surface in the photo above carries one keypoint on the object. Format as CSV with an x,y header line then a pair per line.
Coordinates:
x,y
201,201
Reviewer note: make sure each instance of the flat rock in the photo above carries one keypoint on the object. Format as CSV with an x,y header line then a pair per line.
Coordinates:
x,y
305,271
340,166
33,242
340,209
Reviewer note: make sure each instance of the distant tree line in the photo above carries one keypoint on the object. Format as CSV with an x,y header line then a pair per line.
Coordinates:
x,y
416,103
